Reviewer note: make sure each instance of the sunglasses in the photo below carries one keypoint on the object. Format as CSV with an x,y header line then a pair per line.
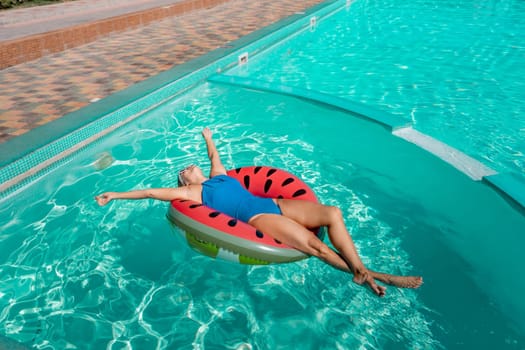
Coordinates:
x,y
181,173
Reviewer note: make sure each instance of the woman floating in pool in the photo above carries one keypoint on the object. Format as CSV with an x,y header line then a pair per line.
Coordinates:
x,y
286,219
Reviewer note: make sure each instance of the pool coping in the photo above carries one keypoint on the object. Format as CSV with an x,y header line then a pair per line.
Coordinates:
x,y
199,70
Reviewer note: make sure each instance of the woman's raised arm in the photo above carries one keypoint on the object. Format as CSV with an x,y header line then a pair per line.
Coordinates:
x,y
216,165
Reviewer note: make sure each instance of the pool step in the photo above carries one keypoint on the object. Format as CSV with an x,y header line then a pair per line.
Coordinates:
x,y
512,187
459,160
509,184
391,122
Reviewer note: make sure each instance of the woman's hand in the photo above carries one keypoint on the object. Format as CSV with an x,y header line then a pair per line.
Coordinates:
x,y
104,198
216,165
206,133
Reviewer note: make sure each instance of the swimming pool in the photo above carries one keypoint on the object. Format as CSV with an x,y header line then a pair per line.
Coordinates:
x,y
452,68
73,272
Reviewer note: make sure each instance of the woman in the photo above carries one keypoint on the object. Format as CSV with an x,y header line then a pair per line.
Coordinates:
x,y
286,220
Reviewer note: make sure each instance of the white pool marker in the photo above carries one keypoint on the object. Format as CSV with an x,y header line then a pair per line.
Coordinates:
x,y
243,58
313,22
459,160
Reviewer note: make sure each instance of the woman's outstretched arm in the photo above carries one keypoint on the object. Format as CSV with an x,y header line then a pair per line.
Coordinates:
x,y
163,194
216,165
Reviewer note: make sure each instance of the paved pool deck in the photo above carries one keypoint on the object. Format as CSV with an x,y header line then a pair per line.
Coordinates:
x,y
87,50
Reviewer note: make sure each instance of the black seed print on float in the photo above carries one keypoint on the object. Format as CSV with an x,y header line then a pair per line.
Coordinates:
x,y
232,222
238,170
270,172
247,181
259,234
287,181
257,169
193,206
299,193
214,214
267,185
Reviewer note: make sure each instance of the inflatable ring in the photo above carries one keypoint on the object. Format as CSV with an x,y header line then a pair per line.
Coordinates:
x,y
220,236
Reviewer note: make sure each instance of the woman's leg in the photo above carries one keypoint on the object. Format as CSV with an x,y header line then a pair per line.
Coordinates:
x,y
312,215
297,236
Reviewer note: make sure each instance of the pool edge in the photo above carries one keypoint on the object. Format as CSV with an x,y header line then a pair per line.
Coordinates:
x,y
510,186
386,120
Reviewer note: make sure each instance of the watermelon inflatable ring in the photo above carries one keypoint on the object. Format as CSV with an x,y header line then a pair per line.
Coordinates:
x,y
220,236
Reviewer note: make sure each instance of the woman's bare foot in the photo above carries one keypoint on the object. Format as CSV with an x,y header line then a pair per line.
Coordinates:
x,y
361,278
398,281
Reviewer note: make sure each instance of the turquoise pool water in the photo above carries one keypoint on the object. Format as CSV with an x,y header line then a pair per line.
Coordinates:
x,y
453,68
74,275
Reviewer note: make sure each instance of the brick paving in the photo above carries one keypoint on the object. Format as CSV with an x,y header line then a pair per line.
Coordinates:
x,y
33,33
39,91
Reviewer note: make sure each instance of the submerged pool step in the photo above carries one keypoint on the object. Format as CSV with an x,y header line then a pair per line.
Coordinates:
x,y
389,121
398,126
459,160
510,186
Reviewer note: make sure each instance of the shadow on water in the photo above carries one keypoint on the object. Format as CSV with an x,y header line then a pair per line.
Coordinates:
x,y
10,344
453,291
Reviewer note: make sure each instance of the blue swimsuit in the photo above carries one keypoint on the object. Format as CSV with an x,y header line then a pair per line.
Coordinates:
x,y
225,194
